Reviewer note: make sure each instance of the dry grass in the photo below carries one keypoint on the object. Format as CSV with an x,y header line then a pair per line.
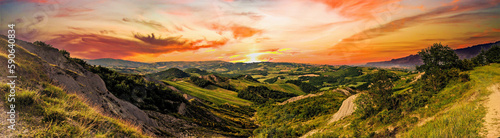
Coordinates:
x,y
54,113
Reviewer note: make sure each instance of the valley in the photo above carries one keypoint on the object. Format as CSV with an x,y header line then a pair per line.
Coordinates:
x,y
65,96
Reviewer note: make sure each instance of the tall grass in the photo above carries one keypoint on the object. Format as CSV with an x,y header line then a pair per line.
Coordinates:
x,y
465,115
53,113
463,121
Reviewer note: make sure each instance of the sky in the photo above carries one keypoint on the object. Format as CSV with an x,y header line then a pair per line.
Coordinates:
x,y
302,31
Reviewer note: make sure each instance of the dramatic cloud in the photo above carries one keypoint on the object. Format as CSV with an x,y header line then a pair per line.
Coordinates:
x,y
397,25
359,9
153,24
305,31
238,31
102,46
151,39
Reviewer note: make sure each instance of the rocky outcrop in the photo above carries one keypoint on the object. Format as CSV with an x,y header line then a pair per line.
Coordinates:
x,y
73,78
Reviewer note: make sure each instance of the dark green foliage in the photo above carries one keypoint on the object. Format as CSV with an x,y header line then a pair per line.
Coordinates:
x,y
200,81
288,120
379,97
364,106
464,77
40,43
304,86
64,53
352,72
480,59
381,89
436,80
196,70
440,66
493,54
170,74
273,80
125,86
261,94
438,57
246,77
466,64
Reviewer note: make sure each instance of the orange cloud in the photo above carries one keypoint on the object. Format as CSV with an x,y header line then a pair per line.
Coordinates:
x,y
102,46
238,31
152,24
359,9
243,31
397,25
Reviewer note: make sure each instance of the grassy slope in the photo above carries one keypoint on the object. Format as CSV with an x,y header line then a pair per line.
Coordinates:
x,y
284,87
217,95
455,111
297,118
58,114
53,113
465,113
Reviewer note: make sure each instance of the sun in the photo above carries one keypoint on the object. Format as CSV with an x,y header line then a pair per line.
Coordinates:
x,y
254,57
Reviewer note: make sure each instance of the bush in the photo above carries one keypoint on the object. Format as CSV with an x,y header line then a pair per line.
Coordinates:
x,y
464,77
305,87
53,115
493,54
200,81
196,70
40,43
52,91
64,53
170,74
261,94
27,97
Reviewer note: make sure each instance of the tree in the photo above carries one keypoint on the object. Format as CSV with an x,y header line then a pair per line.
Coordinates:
x,y
493,54
480,59
381,88
40,43
440,66
438,57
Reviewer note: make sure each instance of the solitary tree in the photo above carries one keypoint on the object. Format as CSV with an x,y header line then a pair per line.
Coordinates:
x,y
439,62
438,57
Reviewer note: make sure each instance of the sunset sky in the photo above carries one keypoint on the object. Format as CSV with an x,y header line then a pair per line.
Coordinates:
x,y
303,31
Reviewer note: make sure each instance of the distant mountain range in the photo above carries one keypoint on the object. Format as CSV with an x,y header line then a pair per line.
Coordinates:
x,y
413,60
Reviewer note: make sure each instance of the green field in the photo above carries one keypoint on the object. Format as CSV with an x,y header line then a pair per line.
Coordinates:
x,y
216,95
284,87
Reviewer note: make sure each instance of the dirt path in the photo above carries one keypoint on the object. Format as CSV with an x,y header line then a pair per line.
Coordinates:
x,y
417,77
346,109
493,115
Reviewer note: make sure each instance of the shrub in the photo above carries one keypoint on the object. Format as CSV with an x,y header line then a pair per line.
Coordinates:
x,y
27,97
54,115
464,77
200,81
40,43
493,54
305,87
64,53
52,91
261,94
